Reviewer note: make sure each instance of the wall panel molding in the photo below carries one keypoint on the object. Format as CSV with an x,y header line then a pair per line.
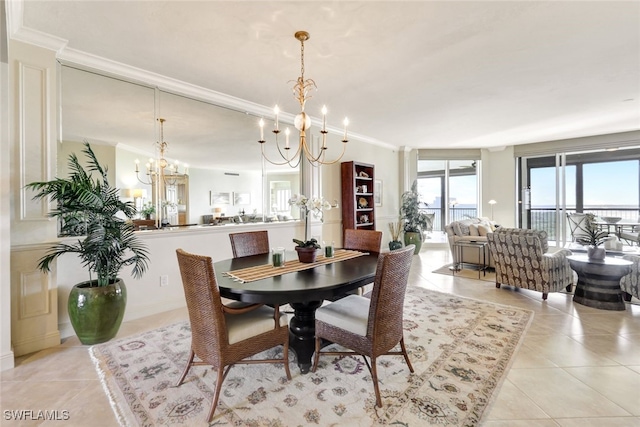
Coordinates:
x,y
34,121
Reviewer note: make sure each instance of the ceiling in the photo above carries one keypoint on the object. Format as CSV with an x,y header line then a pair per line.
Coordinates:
x,y
421,74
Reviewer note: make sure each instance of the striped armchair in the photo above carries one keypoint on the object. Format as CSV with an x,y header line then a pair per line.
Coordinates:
x,y
521,260
629,283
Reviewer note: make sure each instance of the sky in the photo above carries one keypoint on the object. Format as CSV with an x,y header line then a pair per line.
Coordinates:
x,y
605,184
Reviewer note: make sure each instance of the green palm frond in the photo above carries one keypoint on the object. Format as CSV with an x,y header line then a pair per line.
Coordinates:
x,y
90,206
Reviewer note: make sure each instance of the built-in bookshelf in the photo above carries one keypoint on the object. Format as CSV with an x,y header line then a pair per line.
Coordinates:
x,y
358,206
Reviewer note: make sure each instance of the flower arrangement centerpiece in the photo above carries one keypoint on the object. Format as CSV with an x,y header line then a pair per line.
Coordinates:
x,y
316,206
592,237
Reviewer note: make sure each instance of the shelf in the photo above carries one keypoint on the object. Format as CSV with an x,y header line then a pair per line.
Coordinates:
x,y
353,190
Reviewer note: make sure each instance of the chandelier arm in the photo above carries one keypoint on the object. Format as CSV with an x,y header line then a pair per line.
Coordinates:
x,y
286,161
322,162
297,154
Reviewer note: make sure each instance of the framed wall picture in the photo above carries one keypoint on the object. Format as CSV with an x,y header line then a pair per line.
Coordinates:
x,y
241,198
377,193
216,198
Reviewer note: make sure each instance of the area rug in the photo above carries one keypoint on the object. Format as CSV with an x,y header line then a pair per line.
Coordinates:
x,y
468,272
460,350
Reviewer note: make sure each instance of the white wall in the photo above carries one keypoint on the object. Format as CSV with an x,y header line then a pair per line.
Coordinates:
x,y
498,183
6,352
203,181
145,296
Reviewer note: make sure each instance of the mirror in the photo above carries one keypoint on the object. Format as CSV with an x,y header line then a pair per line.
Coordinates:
x,y
226,175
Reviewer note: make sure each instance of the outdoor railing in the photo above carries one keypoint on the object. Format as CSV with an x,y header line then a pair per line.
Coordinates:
x,y
545,218
456,214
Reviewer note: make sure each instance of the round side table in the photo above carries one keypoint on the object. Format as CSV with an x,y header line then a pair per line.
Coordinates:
x,y
599,281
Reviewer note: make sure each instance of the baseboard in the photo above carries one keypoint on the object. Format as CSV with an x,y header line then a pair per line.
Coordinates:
x,y
7,361
37,343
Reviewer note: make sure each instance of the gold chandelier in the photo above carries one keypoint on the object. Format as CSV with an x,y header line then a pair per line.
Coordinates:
x,y
302,122
156,167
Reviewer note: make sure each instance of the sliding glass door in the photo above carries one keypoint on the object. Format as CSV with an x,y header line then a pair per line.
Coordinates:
x,y
450,188
605,183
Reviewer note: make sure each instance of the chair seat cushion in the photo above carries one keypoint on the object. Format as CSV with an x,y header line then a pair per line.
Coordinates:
x,y
243,326
350,313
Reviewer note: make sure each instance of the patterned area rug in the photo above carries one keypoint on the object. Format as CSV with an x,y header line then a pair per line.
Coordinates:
x,y
468,272
460,349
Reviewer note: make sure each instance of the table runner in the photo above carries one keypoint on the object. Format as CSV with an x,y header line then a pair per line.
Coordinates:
x,y
258,272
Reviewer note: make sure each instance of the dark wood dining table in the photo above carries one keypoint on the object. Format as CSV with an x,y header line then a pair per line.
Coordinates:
x,y
304,291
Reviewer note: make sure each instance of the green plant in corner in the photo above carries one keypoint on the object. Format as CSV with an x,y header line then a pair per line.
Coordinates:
x,y
415,220
109,245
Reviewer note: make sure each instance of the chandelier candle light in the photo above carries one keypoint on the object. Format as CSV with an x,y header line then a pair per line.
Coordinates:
x,y
160,173
302,122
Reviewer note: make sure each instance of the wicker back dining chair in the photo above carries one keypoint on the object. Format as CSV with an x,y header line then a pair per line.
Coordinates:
x,y
370,327
362,240
249,243
222,336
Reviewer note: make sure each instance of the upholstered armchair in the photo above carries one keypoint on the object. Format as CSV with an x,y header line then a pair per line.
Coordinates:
x,y
521,260
629,283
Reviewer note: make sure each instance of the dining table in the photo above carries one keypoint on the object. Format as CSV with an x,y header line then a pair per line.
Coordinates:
x,y
303,290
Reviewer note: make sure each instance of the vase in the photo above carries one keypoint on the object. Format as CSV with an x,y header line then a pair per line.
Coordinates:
x,y
306,255
96,312
413,238
595,253
395,244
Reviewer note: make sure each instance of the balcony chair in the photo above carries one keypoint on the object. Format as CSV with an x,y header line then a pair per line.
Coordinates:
x,y
578,223
629,283
222,336
249,243
631,235
521,260
370,327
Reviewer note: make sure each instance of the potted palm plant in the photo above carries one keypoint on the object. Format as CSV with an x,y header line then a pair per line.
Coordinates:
x,y
96,307
415,220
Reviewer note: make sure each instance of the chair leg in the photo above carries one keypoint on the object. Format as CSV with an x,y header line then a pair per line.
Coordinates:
x,y
497,285
285,356
568,288
186,369
316,357
405,354
374,377
214,404
627,296
544,296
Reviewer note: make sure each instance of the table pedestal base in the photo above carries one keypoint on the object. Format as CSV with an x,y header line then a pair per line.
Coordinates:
x,y
599,292
302,332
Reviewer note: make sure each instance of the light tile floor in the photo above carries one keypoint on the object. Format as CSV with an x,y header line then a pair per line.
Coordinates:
x,y
577,366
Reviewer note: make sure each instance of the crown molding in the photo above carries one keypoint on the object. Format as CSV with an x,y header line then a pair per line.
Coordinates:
x,y
101,65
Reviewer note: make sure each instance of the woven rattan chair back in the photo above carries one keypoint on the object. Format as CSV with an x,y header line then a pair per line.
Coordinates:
x,y
384,328
208,331
249,243
384,322
209,336
362,240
